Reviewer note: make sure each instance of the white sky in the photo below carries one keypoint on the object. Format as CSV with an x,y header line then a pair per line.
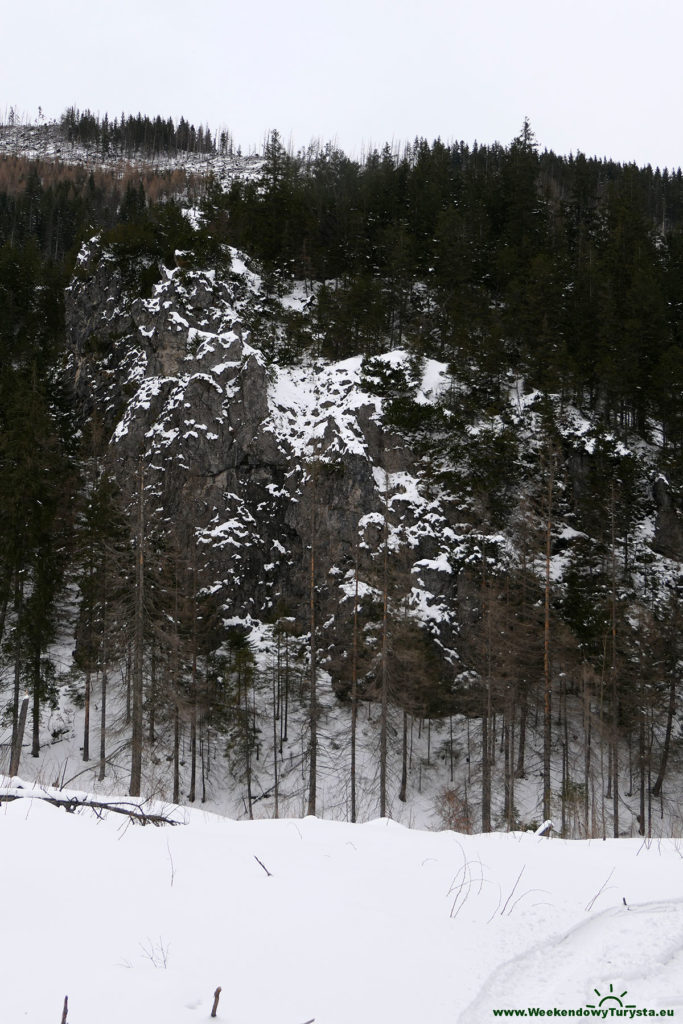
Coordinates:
x,y
601,76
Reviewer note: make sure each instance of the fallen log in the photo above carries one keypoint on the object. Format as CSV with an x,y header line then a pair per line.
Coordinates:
x,y
71,804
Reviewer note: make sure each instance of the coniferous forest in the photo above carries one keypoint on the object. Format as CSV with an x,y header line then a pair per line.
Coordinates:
x,y
548,290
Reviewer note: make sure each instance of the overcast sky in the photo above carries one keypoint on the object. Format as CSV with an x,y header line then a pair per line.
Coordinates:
x,y
600,76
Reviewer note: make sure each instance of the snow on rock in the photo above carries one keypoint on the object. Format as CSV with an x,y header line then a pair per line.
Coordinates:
x,y
258,453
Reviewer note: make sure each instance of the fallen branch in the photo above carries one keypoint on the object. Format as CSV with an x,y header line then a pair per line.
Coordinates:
x,y
70,804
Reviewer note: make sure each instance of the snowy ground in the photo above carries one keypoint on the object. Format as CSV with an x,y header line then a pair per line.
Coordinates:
x,y
370,924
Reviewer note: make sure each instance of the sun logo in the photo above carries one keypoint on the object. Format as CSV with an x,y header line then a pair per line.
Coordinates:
x,y
610,997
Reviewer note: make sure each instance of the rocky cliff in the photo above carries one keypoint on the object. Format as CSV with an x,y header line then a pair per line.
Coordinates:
x,y
255,458
294,477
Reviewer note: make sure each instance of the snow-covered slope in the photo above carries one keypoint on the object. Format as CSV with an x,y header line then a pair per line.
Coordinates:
x,y
47,142
315,920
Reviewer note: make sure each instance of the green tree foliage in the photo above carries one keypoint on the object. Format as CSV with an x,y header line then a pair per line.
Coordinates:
x,y
566,268
135,133
35,517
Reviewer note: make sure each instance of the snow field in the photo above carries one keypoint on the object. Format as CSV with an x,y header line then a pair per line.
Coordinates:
x,y
365,923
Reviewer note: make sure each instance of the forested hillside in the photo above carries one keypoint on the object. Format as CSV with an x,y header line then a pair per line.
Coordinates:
x,y
357,485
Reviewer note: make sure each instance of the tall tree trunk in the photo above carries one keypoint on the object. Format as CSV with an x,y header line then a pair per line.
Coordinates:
x,y
613,668
194,683
276,794
138,640
485,767
18,602
247,750
176,752
402,793
103,724
4,601
89,654
193,753
86,717
486,759
35,745
384,713
671,708
641,766
520,770
313,712
354,693
547,689
15,750
152,695
587,739
508,774
103,694
284,721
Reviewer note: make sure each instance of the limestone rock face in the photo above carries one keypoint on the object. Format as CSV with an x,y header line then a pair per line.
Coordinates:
x,y
253,458
258,461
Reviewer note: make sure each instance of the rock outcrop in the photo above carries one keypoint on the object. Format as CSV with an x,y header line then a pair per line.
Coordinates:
x,y
255,459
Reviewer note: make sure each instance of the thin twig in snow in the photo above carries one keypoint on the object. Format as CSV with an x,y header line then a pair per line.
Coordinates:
x,y
263,866
589,905
513,890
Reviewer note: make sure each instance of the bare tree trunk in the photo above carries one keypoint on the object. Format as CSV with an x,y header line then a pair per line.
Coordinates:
x,y
86,718
174,687
276,795
103,723
285,711
313,712
602,742
508,773
15,753
202,757
613,670
194,681
354,691
450,746
587,739
641,765
18,601
35,745
4,601
137,676
103,694
193,751
88,684
404,759
247,738
547,690
486,760
520,770
128,676
384,714
657,788
176,752
151,699
485,767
